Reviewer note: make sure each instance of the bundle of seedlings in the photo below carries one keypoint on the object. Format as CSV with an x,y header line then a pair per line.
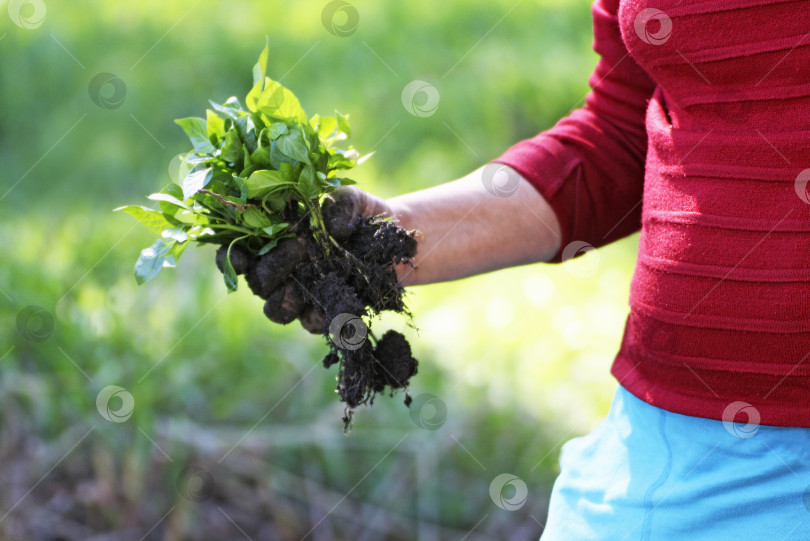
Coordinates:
x,y
258,183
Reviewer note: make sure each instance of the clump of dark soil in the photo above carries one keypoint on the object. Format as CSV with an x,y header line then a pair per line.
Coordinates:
x,y
335,286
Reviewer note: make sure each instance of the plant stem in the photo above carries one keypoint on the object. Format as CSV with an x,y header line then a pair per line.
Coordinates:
x,y
227,202
315,209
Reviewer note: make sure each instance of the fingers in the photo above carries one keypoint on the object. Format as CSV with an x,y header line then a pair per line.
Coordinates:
x,y
313,319
268,277
285,303
271,270
342,210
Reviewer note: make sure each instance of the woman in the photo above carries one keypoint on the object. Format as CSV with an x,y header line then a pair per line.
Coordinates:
x,y
696,132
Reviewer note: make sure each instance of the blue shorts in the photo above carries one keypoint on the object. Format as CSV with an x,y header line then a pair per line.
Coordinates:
x,y
649,474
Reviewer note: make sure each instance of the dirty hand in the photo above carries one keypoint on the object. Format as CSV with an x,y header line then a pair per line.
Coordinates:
x,y
269,275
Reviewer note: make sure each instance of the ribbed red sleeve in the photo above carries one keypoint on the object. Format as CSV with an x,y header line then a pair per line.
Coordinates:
x,y
590,165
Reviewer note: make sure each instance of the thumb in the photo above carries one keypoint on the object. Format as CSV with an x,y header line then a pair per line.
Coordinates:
x,y
342,210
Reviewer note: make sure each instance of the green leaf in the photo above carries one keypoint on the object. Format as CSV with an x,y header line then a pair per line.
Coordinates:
x,y
277,158
193,159
339,160
276,200
228,272
328,128
230,109
247,130
292,145
152,219
241,185
215,125
263,181
232,149
260,69
275,101
175,233
262,157
152,260
173,190
197,131
172,202
269,246
248,162
275,228
196,180
179,168
255,218
178,250
308,183
287,170
276,130
343,124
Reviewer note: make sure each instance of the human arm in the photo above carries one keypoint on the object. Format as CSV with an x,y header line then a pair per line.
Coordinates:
x,y
581,180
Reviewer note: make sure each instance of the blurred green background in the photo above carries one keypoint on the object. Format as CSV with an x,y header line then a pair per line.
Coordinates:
x,y
235,431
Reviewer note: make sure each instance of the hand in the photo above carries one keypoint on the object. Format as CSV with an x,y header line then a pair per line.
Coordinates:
x,y
269,275
344,208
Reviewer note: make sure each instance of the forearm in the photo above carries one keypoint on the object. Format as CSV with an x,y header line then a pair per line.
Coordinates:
x,y
465,230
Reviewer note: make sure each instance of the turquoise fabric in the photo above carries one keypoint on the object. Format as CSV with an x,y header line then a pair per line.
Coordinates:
x,y
649,474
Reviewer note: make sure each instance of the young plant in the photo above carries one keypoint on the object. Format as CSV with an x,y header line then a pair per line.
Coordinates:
x,y
245,166
254,183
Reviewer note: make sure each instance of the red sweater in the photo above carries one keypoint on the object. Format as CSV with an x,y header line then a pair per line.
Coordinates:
x,y
697,132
